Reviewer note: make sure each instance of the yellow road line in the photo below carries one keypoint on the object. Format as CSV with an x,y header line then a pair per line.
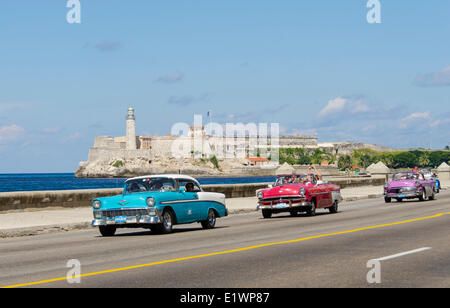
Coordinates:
x,y
228,251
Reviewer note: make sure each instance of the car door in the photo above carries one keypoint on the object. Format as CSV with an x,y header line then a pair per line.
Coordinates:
x,y
316,192
323,197
326,195
193,208
427,185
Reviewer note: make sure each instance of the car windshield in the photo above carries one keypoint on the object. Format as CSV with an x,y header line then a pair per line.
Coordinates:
x,y
149,184
294,179
428,174
407,176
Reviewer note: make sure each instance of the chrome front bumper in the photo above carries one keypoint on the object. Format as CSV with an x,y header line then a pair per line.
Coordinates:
x,y
407,193
129,220
284,206
404,195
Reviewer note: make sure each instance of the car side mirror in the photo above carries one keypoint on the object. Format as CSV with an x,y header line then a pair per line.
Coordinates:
x,y
181,190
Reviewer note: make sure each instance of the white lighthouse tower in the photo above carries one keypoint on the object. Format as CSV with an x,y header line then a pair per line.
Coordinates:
x,y
131,130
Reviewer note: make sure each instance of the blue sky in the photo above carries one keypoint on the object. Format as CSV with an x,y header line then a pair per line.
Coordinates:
x,y
312,66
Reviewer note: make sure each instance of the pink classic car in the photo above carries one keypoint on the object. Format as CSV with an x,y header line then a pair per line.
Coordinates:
x,y
409,185
295,193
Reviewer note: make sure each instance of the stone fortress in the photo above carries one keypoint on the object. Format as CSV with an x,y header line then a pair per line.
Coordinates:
x,y
136,155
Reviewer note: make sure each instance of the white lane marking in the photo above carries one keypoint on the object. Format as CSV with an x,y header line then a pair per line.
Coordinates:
x,y
403,254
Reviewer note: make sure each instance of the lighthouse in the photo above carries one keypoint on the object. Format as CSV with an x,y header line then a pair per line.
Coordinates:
x,y
131,130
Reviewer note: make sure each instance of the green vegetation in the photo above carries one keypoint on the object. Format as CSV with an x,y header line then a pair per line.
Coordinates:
x,y
213,159
345,162
294,156
401,159
365,157
118,164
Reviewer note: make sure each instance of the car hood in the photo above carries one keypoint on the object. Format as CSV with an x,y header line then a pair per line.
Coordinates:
x,y
285,190
402,183
130,200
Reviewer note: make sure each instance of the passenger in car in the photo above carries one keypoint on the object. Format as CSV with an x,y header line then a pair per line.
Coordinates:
x,y
317,176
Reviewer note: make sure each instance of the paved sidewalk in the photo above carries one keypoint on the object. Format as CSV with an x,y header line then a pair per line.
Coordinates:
x,y
54,220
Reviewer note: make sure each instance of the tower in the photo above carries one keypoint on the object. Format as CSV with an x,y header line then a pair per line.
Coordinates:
x,y
131,130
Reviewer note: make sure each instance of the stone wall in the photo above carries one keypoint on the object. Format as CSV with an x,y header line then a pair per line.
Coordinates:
x,y
293,141
102,154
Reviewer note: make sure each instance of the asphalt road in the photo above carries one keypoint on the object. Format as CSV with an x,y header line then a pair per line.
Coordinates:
x,y
246,251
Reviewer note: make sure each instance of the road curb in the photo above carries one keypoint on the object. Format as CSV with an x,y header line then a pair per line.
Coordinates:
x,y
371,196
21,232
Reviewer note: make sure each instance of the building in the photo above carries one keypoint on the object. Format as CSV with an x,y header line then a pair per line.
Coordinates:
x,y
197,141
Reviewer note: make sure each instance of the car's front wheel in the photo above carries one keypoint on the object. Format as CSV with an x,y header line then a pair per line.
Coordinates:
x,y
387,200
210,223
423,196
166,225
294,213
311,211
107,230
267,214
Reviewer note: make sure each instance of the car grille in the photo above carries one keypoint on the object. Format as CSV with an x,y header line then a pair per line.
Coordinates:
x,y
401,190
124,212
284,198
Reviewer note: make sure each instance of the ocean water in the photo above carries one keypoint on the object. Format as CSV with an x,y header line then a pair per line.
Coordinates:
x,y
67,181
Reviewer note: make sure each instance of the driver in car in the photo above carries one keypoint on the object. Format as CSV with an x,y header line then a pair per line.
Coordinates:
x,y
134,187
189,187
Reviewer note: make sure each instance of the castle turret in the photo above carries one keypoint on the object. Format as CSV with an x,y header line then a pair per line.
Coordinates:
x,y
131,130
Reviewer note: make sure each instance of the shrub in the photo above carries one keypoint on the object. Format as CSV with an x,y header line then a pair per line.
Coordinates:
x,y
214,161
118,164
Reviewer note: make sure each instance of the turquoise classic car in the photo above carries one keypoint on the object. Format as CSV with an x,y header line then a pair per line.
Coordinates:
x,y
158,202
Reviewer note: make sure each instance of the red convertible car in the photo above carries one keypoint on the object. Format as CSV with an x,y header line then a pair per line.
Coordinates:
x,y
295,193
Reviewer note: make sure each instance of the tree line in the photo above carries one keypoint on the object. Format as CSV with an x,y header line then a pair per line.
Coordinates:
x,y
365,157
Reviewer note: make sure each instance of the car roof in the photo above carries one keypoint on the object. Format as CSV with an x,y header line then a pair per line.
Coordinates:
x,y
172,176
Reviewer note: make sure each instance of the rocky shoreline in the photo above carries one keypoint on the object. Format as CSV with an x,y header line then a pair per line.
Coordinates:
x,y
196,168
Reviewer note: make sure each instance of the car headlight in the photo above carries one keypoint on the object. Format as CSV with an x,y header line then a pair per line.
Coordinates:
x,y
96,204
150,201
302,191
260,195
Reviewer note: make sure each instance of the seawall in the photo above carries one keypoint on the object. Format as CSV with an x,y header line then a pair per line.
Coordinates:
x,y
10,201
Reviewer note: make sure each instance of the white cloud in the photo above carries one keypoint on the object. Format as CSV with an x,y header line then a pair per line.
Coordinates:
x,y
341,105
418,116
415,118
11,133
435,79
